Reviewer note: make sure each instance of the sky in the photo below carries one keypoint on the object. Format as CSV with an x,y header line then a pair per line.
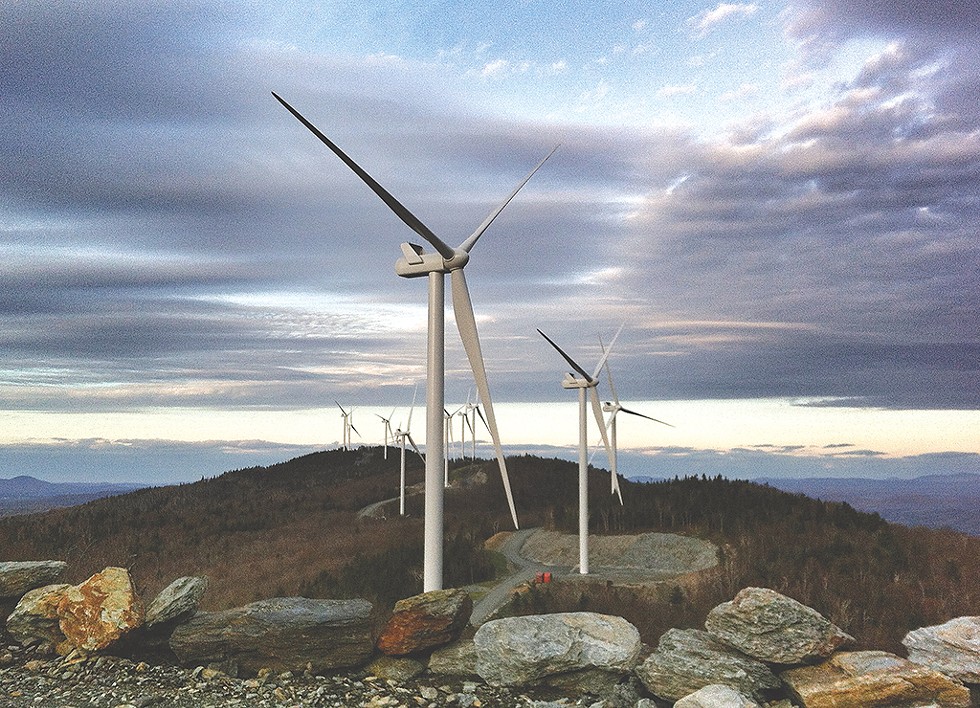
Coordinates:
x,y
780,200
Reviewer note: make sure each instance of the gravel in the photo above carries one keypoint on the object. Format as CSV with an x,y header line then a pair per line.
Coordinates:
x,y
29,677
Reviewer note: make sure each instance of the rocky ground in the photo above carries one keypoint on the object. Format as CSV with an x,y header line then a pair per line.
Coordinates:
x,y
31,679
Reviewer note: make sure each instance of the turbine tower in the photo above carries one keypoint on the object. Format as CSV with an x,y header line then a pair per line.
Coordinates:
x,y
389,434
415,263
400,437
586,383
615,407
348,417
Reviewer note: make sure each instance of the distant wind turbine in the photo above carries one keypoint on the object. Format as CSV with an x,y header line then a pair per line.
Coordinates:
x,y
348,417
400,437
416,263
615,407
586,383
389,434
448,425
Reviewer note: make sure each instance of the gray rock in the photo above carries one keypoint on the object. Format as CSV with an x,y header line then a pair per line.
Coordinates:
x,y
872,678
176,602
517,651
952,648
398,669
774,628
17,577
687,660
457,659
35,618
284,633
716,696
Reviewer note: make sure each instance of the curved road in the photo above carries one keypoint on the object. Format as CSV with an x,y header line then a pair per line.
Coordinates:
x,y
526,570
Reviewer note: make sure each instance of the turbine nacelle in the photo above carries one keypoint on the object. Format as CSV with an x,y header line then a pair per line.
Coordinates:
x,y
415,263
571,382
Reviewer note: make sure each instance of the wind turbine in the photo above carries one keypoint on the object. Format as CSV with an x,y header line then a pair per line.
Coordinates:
x,y
388,431
348,417
470,421
415,263
400,437
615,407
586,383
448,425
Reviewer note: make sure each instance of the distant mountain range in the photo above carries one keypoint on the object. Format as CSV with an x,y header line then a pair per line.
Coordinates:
x,y
24,494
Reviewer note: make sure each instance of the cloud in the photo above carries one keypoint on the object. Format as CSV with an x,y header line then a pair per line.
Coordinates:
x,y
707,20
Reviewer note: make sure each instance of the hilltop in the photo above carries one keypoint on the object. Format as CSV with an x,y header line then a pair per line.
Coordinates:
x,y
293,529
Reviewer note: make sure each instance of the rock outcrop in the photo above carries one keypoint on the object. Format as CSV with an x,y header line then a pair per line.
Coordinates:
x,y
873,679
952,648
773,628
284,634
716,696
176,602
517,651
425,621
687,660
18,577
94,614
456,659
35,618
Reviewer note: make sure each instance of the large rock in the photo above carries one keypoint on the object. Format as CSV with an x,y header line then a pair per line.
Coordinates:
x,y
516,651
716,696
774,628
424,621
456,659
952,648
873,679
283,634
97,612
35,618
17,577
687,660
176,602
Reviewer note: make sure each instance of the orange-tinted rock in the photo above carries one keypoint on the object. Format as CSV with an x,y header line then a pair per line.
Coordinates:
x,y
425,621
35,619
99,611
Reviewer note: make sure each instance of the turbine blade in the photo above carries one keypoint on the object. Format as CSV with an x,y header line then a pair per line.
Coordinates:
x,y
627,410
396,206
468,244
354,429
480,413
597,411
612,388
619,492
605,354
412,409
571,362
466,324
416,447
341,408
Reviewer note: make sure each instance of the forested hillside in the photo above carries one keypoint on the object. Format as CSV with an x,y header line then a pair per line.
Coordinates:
x,y
293,529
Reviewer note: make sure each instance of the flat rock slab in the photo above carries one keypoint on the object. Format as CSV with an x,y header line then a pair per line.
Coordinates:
x,y
716,696
283,634
952,648
687,660
176,601
774,628
517,651
17,577
873,679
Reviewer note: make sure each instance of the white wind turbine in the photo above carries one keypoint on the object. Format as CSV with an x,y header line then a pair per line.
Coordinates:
x,y
389,434
614,407
400,437
448,440
416,263
348,417
586,383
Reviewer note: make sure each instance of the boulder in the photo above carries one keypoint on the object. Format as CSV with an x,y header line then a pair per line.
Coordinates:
x,y
952,648
17,577
456,659
716,696
687,660
283,634
395,668
774,628
97,612
176,602
35,618
424,621
516,651
872,679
